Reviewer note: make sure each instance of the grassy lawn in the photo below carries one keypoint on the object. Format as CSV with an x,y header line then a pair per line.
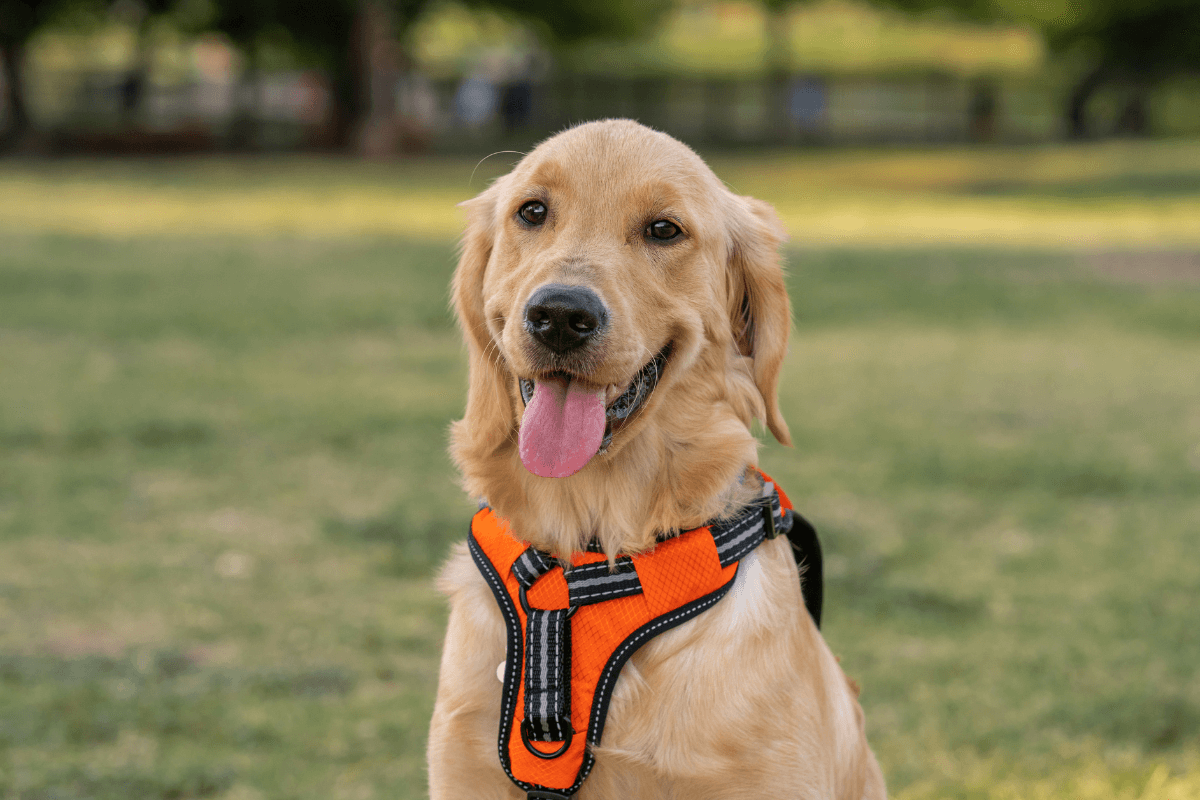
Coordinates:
x,y
224,389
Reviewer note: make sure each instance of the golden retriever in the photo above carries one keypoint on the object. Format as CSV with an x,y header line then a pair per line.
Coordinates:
x,y
609,253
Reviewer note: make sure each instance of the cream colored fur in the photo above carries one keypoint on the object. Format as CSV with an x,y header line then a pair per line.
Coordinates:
x,y
744,699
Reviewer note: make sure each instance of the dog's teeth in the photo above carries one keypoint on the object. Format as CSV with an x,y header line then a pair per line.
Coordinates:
x,y
612,393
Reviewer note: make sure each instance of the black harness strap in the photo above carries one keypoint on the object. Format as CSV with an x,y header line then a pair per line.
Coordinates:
x,y
532,565
548,675
594,583
548,639
736,538
806,548
547,657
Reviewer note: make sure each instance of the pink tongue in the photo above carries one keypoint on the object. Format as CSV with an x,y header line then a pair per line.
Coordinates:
x,y
562,427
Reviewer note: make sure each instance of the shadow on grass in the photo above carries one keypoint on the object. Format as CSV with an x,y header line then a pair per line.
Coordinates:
x,y
128,783
1158,719
1064,477
1179,184
167,693
153,434
416,546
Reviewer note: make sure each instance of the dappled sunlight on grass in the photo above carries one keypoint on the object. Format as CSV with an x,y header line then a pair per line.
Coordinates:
x,y
1088,777
964,169
894,221
1107,195
68,206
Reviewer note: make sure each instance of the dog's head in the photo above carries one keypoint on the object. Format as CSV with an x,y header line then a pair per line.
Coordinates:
x,y
610,285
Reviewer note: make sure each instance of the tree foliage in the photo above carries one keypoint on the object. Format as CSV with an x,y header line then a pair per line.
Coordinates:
x,y
1135,43
1154,37
1148,38
19,20
326,33
570,21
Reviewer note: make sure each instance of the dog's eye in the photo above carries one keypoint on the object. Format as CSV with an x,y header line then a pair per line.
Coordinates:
x,y
662,230
533,212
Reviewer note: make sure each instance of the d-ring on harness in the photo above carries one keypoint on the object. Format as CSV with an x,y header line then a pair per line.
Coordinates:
x,y
570,634
528,734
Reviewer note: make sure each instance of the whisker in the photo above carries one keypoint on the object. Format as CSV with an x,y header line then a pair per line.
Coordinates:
x,y
492,343
485,158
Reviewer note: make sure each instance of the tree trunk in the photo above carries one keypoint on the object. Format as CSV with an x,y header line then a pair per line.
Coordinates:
x,y
19,123
1078,126
137,79
779,66
1134,119
243,129
349,84
982,111
377,134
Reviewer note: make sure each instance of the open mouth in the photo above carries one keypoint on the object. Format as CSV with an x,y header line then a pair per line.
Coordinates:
x,y
567,422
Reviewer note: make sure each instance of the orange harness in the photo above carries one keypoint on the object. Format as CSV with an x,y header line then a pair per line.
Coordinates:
x,y
570,634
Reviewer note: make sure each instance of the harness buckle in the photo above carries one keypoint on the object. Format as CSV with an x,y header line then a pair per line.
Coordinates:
x,y
771,530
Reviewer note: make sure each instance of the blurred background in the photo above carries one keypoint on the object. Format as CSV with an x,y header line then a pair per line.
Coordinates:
x,y
383,77
227,366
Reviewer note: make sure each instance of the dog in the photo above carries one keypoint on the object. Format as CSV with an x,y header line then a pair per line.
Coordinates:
x,y
626,321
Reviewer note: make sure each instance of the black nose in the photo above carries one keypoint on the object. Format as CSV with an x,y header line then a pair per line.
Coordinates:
x,y
564,317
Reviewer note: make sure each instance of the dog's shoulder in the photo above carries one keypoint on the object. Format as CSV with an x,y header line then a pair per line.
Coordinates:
x,y
474,614
775,674
459,573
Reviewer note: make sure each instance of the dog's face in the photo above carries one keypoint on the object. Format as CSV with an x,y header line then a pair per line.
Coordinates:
x,y
609,281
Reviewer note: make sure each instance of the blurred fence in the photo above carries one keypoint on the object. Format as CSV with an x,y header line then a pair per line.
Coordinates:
x,y
748,111
290,110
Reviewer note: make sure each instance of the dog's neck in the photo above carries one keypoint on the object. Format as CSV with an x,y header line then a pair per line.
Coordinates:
x,y
670,477
673,469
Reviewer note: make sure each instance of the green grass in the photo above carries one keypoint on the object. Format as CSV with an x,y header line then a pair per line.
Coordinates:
x,y
223,486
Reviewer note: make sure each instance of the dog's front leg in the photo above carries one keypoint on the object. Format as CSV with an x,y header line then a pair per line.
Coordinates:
x,y
463,757
460,764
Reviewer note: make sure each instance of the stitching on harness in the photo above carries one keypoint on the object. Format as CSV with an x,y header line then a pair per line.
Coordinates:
x,y
514,637
623,564
637,640
617,661
592,593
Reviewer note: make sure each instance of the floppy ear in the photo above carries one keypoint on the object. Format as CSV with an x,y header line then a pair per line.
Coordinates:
x,y
759,309
489,416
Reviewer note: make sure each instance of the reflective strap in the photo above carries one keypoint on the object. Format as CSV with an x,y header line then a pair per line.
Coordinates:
x,y
548,674
593,583
531,565
737,538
